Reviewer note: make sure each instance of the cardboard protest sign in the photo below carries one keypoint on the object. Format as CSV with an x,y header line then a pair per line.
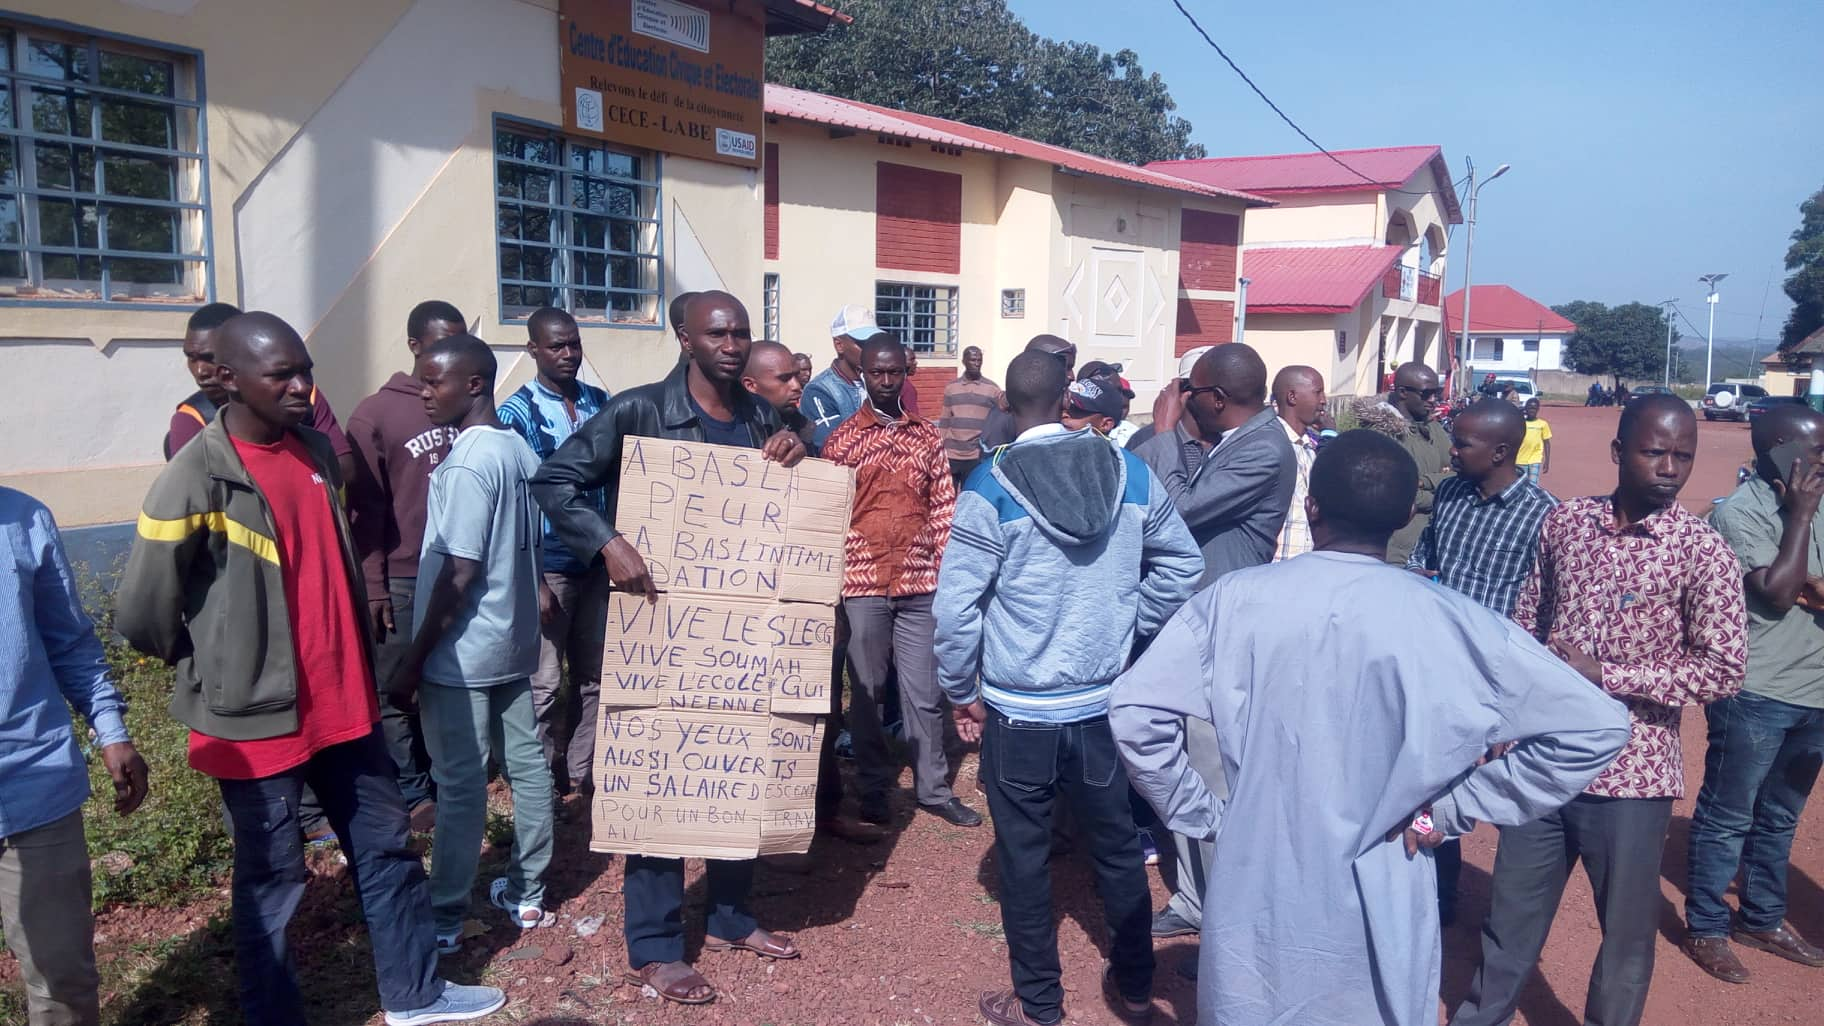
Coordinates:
x,y
713,697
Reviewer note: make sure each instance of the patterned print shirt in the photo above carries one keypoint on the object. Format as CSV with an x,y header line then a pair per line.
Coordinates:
x,y
1659,604
1484,548
904,500
540,416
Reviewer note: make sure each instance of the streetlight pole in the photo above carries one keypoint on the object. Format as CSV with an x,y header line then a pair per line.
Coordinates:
x,y
1469,257
1666,308
1710,280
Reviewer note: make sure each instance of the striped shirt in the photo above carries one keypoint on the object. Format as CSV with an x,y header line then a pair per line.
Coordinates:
x,y
1484,548
966,406
1295,537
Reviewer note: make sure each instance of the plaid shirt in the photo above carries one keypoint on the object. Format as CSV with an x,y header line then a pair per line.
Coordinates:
x,y
1484,548
1659,604
1295,537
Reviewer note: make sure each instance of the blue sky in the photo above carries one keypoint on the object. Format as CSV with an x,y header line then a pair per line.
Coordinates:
x,y
1650,142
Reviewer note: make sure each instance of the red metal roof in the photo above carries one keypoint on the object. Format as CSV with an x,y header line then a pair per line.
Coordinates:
x,y
820,109
1500,309
1388,167
1313,279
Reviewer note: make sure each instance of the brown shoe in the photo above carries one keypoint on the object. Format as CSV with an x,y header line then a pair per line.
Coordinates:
x,y
1714,956
1784,943
1003,1008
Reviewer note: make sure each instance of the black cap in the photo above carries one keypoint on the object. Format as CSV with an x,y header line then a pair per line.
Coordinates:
x,y
1095,397
1102,370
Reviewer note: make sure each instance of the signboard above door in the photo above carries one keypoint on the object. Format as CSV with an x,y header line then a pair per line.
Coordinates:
x,y
666,75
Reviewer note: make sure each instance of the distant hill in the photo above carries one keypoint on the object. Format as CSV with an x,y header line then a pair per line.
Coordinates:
x,y
1735,358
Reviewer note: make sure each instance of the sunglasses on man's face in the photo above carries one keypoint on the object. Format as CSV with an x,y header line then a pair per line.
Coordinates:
x,y
1424,393
1190,393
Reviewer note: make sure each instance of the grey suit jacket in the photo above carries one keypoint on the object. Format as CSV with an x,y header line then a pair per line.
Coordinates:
x,y
1234,503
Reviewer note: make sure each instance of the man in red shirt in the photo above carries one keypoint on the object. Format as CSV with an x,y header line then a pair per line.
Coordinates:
x,y
244,576
904,499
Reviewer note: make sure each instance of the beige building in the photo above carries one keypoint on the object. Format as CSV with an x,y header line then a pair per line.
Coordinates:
x,y
960,236
1345,270
334,162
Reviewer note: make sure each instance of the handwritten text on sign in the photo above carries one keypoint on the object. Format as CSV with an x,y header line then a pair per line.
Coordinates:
x,y
725,521
713,697
718,654
716,785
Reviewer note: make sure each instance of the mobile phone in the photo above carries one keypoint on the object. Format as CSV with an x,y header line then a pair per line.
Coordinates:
x,y
1784,455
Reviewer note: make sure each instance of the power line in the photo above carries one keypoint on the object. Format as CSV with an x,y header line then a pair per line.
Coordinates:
x,y
1283,116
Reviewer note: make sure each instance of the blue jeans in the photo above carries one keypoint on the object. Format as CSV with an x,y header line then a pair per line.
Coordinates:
x,y
359,788
1761,764
404,736
1028,771
654,892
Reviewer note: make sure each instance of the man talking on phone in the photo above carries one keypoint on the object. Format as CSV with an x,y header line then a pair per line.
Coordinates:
x,y
1765,742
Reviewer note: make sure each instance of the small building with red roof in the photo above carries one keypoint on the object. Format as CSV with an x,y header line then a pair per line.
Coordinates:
x,y
958,236
1345,269
1509,331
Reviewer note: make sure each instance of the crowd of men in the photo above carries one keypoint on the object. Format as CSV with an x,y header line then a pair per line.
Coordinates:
x,y
1315,658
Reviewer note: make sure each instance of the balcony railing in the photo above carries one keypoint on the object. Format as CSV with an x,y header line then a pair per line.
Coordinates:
x,y
1412,285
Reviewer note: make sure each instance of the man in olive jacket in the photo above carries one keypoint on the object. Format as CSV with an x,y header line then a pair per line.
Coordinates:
x,y
701,400
244,576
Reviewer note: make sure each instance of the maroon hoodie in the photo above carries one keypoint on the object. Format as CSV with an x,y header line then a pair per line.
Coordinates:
x,y
396,448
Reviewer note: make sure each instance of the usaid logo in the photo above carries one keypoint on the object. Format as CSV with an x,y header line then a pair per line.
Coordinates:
x,y
673,22
737,144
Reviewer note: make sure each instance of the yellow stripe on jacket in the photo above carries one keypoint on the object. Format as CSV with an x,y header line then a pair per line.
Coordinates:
x,y
154,529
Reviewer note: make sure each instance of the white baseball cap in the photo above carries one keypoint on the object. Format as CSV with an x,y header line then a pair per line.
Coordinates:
x,y
1189,360
856,322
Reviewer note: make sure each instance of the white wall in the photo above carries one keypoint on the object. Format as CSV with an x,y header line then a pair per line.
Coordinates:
x,y
1514,357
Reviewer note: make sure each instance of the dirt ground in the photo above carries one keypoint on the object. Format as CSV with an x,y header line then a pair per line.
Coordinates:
x,y
907,931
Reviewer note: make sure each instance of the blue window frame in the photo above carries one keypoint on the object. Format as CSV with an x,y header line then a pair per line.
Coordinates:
x,y
103,168
577,224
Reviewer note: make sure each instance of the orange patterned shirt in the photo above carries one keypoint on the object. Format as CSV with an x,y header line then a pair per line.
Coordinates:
x,y
904,499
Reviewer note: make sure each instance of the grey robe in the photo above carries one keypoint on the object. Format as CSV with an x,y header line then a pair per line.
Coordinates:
x,y
1335,726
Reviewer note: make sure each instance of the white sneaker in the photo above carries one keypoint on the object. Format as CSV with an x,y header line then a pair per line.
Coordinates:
x,y
528,916
457,1003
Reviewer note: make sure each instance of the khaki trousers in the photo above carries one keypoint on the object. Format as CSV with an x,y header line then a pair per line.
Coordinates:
x,y
44,908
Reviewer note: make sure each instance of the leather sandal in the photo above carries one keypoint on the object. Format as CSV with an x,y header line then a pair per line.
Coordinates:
x,y
684,979
1003,1008
764,943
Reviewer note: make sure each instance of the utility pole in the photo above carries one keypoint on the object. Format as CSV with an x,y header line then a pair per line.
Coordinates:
x,y
1710,280
1666,309
1241,311
1469,256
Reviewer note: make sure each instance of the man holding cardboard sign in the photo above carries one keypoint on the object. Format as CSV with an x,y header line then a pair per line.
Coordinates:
x,y
700,401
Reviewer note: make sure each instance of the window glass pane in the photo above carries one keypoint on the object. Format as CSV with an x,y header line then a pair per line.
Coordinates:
x,y
61,112
65,167
12,265
62,267
6,105
9,162
67,223
142,229
50,59
138,74
525,147
506,181
144,272
141,177
6,50
10,234
142,124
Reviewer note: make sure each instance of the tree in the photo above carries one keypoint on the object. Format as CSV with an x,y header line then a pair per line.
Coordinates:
x,y
1626,341
975,61
1805,285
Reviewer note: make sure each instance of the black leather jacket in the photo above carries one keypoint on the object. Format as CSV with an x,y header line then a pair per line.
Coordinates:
x,y
591,458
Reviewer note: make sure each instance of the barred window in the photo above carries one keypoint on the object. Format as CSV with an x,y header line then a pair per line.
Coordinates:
x,y
103,196
923,316
578,227
769,300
